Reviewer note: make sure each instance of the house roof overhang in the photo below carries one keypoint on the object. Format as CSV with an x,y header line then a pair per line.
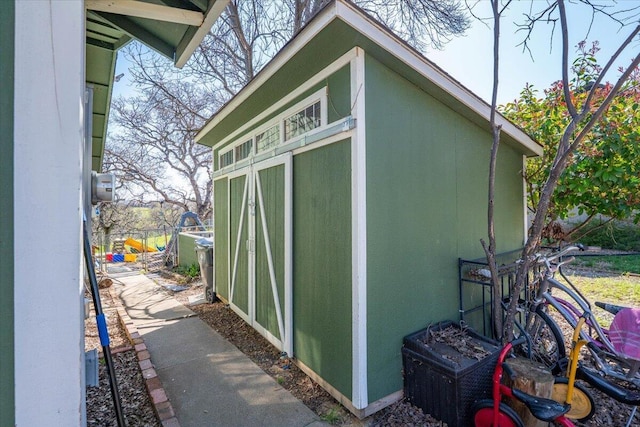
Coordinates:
x,y
174,28
340,26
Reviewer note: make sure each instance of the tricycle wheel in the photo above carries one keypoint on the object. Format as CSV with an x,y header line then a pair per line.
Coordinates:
x,y
582,404
483,415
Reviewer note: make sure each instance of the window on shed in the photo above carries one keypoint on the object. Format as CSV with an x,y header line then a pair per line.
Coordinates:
x,y
268,139
303,121
244,150
226,159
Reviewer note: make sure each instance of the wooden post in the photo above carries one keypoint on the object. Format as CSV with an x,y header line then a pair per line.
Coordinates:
x,y
532,378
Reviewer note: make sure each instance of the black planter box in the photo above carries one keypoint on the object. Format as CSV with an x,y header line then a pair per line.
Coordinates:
x,y
447,387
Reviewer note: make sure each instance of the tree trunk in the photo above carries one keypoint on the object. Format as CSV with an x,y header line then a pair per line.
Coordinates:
x,y
532,378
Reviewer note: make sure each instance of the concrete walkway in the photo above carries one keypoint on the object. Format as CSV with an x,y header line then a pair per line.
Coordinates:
x,y
208,381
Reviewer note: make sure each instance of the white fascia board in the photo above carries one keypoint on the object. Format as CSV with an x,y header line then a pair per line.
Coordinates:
x,y
293,47
147,10
184,53
430,71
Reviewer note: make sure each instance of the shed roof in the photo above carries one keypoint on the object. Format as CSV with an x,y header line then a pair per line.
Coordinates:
x,y
340,26
174,28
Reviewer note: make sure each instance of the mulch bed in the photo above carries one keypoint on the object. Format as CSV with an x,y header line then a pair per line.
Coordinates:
x,y
137,408
136,405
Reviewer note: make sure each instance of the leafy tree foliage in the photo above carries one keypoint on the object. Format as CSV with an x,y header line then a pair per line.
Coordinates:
x,y
603,174
584,114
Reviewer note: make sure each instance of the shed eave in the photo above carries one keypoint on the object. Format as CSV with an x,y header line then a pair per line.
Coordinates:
x,y
394,48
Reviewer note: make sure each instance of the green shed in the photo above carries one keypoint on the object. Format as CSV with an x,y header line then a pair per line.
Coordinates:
x,y
349,177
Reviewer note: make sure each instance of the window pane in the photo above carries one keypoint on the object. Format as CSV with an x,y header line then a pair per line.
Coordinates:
x,y
244,150
226,159
302,122
268,139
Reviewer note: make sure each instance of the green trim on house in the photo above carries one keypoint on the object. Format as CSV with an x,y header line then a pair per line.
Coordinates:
x,y
7,60
100,68
221,237
427,170
322,262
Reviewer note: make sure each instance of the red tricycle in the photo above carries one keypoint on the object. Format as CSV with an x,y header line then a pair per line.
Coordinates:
x,y
494,413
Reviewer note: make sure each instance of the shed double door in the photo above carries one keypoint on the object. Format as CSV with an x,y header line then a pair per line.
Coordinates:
x,y
260,248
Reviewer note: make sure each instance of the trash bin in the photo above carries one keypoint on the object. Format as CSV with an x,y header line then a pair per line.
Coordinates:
x,y
204,249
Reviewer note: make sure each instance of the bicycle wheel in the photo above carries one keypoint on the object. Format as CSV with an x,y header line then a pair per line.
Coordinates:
x,y
547,342
483,415
582,404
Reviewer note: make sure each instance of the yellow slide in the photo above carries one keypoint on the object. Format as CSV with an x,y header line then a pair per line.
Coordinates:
x,y
137,245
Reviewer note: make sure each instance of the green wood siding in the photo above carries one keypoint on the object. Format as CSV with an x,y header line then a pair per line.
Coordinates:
x,y
240,296
221,237
7,399
322,262
272,180
427,170
339,98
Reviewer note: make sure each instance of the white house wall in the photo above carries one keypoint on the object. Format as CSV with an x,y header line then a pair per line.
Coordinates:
x,y
49,88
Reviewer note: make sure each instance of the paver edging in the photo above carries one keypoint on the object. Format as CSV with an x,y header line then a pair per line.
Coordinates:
x,y
157,395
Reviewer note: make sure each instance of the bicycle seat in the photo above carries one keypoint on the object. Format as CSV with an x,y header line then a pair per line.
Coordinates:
x,y
612,390
541,408
611,308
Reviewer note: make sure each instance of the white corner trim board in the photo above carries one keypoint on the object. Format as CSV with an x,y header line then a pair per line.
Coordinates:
x,y
359,232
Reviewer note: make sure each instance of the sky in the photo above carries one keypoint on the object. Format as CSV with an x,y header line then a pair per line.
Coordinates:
x,y
469,58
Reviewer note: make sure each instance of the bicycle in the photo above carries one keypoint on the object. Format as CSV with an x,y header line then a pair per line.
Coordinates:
x,y
494,413
547,341
613,361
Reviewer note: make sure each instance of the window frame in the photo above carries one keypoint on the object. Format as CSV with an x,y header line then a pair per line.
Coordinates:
x,y
320,95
